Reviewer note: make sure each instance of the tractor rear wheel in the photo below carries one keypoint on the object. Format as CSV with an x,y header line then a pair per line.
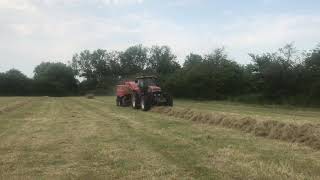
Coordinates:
x,y
134,101
145,103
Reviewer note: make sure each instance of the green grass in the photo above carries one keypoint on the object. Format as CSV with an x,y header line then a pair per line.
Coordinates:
x,y
79,138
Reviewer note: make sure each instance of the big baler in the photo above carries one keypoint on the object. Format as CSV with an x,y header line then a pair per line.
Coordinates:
x,y
142,93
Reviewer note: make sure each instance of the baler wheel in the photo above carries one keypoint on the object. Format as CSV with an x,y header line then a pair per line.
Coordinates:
x,y
118,103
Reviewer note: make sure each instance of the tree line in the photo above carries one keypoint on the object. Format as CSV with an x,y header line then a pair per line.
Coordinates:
x,y
284,76
54,79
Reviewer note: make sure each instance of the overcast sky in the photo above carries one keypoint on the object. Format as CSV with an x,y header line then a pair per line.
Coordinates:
x,y
32,31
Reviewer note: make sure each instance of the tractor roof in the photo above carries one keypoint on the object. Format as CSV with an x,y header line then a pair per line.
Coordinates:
x,y
144,77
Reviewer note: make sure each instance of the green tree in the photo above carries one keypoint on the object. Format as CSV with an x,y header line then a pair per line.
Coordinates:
x,y
14,82
54,79
225,77
100,69
133,60
277,73
312,75
192,60
212,77
162,61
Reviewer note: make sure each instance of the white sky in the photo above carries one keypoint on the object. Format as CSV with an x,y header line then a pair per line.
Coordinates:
x,y
32,31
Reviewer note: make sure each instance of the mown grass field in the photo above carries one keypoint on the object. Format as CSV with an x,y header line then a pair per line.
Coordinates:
x,y
79,138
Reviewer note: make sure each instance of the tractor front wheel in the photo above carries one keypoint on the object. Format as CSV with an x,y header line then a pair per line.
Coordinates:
x,y
169,100
134,101
145,104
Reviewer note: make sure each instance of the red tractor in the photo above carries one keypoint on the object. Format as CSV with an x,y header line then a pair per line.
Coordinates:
x,y
142,93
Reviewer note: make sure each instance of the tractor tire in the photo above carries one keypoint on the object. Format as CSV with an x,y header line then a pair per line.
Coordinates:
x,y
123,102
134,101
169,101
118,103
145,103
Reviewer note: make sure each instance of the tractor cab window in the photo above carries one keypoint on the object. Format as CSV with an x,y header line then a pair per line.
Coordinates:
x,y
150,82
147,82
140,83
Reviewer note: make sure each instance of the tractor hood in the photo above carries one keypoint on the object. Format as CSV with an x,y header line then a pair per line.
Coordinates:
x,y
154,89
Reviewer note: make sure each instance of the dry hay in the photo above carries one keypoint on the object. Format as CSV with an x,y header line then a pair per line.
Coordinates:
x,y
90,96
307,134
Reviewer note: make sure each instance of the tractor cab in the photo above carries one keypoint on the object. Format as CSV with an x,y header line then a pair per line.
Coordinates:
x,y
145,82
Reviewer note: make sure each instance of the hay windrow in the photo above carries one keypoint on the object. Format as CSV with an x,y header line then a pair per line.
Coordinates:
x,y
307,134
